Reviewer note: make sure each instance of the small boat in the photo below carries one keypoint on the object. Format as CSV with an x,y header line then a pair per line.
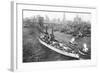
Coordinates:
x,y
61,51
84,52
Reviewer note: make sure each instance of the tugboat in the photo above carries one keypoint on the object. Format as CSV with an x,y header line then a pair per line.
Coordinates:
x,y
84,52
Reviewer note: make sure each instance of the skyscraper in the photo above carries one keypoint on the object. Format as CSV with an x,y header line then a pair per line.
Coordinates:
x,y
64,18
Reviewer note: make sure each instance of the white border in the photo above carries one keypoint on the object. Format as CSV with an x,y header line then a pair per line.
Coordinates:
x,y
17,52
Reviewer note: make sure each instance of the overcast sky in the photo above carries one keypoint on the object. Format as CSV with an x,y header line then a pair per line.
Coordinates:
x,y
56,15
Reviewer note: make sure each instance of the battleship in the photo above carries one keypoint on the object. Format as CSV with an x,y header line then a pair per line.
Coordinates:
x,y
69,48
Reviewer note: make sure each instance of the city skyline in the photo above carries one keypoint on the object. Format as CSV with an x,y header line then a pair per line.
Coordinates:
x,y
56,15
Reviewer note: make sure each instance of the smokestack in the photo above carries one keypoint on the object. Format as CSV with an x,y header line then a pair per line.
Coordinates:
x,y
46,29
52,30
